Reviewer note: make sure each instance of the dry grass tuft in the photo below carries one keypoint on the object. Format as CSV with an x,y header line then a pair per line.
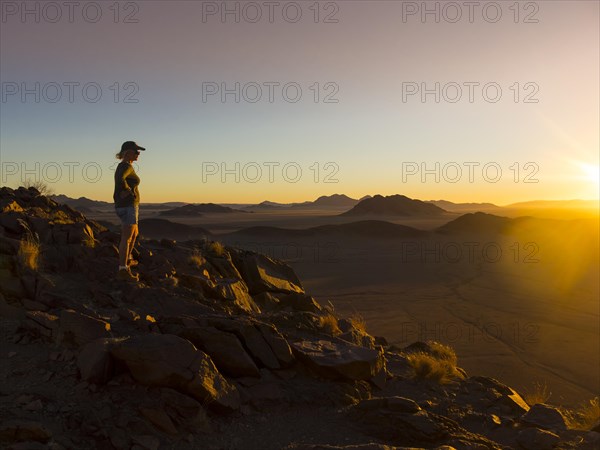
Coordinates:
x,y
443,352
196,259
329,325
584,417
60,218
358,322
329,308
538,394
88,241
29,248
439,364
215,248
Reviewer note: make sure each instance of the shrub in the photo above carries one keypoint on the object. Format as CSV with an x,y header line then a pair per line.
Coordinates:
x,y
41,187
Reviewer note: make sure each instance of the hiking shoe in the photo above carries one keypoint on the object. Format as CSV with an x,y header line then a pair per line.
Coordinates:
x,y
126,275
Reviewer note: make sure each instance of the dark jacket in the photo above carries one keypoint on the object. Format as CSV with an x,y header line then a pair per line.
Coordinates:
x,y
126,180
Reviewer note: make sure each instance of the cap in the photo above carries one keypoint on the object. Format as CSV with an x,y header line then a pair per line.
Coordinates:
x,y
130,145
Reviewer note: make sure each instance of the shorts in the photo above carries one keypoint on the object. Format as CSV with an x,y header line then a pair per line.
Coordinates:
x,y
128,215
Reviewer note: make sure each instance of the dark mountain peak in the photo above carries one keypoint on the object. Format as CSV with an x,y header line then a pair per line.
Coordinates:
x,y
478,222
395,205
335,200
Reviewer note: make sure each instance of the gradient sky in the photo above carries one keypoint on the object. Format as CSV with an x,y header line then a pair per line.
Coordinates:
x,y
368,136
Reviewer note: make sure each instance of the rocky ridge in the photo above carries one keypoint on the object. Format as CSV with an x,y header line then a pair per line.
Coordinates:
x,y
214,348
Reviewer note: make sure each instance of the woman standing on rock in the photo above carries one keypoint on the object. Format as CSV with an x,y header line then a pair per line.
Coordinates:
x,y
127,200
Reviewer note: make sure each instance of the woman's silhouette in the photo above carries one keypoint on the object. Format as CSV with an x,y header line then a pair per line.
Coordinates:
x,y
127,200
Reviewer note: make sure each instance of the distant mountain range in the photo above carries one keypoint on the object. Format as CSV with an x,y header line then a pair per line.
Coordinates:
x,y
267,205
393,205
465,207
325,201
335,200
556,204
193,210
82,204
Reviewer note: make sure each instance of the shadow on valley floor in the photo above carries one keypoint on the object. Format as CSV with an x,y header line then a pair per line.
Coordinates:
x,y
518,300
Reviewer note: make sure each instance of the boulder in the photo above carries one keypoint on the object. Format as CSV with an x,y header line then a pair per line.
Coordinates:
x,y
171,361
35,284
8,246
12,222
224,348
370,446
358,337
536,439
145,441
266,301
545,416
486,382
398,404
8,311
56,259
258,347
79,329
43,323
184,411
10,205
225,267
7,262
340,360
11,285
106,249
407,423
80,232
252,339
279,345
514,402
262,274
299,302
197,282
42,227
236,291
95,362
160,419
17,430
501,398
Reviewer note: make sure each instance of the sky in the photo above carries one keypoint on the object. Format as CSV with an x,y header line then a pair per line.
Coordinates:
x,y
240,102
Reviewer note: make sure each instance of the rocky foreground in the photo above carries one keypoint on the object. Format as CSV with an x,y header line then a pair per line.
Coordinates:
x,y
217,348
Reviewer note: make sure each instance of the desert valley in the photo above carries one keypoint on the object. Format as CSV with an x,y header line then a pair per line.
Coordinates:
x,y
513,289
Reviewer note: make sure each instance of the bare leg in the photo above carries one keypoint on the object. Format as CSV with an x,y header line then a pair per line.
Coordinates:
x,y
134,236
124,246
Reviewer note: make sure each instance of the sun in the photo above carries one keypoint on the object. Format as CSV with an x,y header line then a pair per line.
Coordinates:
x,y
591,173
